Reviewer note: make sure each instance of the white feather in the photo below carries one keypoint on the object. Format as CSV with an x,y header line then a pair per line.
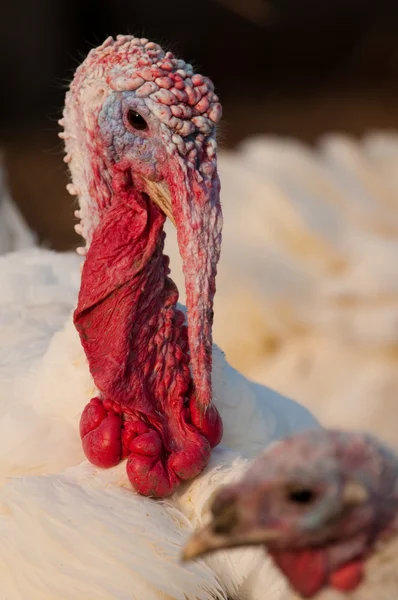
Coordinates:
x,y
78,533
304,230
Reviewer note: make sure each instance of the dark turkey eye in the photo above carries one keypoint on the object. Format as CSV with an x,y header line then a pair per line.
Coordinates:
x,y
136,121
301,495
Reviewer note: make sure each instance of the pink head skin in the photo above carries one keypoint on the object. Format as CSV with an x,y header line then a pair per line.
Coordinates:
x,y
140,141
319,502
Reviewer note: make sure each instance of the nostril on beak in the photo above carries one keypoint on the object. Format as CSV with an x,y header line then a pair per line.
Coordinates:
x,y
226,520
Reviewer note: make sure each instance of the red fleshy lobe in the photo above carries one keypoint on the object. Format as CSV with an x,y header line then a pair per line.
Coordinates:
x,y
348,576
136,344
308,571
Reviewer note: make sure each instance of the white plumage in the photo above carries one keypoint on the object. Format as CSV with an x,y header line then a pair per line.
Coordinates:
x,y
69,530
306,292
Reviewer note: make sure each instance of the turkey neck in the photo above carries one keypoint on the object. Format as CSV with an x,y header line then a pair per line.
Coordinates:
x,y
134,338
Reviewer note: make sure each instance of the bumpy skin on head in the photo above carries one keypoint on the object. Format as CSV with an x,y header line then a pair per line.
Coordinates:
x,y
140,141
320,502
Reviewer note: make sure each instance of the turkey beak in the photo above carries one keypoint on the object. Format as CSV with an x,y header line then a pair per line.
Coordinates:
x,y
202,542
159,193
190,196
227,529
206,540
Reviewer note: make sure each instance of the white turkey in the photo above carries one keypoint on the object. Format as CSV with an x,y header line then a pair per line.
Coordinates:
x,y
139,129
324,505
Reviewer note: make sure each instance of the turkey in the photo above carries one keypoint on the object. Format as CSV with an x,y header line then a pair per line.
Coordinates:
x,y
125,377
325,506
308,274
14,232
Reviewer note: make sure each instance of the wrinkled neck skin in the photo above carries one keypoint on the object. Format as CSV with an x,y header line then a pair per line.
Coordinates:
x,y
126,315
134,337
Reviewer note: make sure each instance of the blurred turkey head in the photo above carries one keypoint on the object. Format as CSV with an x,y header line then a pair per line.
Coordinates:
x,y
321,503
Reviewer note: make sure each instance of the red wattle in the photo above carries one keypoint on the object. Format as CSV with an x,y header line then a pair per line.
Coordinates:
x,y
101,435
306,570
347,577
136,344
208,423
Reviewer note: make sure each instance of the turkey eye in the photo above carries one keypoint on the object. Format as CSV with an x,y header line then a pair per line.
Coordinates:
x,y
301,495
136,121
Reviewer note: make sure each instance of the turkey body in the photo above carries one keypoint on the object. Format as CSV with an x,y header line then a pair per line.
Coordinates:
x,y
70,530
314,307
308,274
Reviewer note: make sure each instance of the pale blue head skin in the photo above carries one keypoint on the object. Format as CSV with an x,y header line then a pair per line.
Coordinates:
x,y
144,142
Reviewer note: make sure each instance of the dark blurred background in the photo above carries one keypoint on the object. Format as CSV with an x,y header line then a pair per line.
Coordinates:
x,y
289,67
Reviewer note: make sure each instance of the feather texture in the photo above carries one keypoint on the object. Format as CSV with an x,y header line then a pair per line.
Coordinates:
x,y
92,536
